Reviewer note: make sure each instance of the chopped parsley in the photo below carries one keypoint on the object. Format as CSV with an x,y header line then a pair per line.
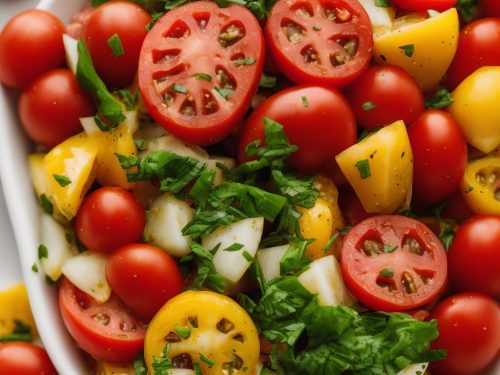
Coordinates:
x,y
183,332
368,106
43,252
208,361
241,62
363,167
247,256
163,363
205,76
267,81
382,3
129,99
234,247
386,272
225,93
179,88
408,49
116,46
21,332
441,99
390,248
46,204
305,102
139,365
62,180
34,267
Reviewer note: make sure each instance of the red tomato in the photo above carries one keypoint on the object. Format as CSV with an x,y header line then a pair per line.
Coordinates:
x,y
490,8
456,208
439,5
393,263
317,119
469,328
108,331
50,108
110,217
30,44
128,22
75,26
320,42
351,207
384,94
22,358
144,277
439,156
199,68
474,259
477,46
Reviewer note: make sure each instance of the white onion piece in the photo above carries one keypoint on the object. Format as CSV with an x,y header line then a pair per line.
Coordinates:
x,y
269,261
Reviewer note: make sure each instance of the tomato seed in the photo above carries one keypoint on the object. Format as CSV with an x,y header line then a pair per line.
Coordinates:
x,y
408,282
225,325
231,35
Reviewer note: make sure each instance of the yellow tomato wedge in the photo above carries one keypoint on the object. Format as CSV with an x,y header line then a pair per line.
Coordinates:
x,y
380,169
424,47
476,108
14,305
69,171
316,223
212,329
480,185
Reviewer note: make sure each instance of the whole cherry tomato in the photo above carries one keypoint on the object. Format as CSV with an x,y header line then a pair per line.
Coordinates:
x,y
22,358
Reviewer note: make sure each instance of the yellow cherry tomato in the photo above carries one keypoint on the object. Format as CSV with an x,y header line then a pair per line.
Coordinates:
x,y
380,169
14,305
423,46
329,192
476,108
316,223
480,185
210,328
68,168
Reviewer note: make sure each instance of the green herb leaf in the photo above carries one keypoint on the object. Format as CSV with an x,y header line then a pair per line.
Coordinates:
x,y
241,62
43,252
305,102
46,204
267,81
62,180
298,191
234,247
247,256
330,242
139,365
139,143
382,3
202,188
225,93
197,368
363,167
294,258
86,75
116,46
156,16
206,77
179,88
408,49
183,332
368,106
208,361
129,99
386,272
441,99
389,248
21,332
34,267
467,8
163,363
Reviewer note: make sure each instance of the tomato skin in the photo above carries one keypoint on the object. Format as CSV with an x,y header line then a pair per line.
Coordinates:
x,y
30,44
477,47
490,8
469,328
456,208
119,341
439,155
128,21
51,106
393,92
144,277
439,5
351,207
321,130
110,217
474,259
317,34
418,254
22,358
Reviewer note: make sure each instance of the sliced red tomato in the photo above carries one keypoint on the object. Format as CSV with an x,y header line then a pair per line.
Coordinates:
x,y
317,41
393,263
107,331
439,5
199,68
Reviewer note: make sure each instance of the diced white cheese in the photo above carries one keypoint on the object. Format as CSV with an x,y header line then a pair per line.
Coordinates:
x,y
71,48
165,220
414,369
324,278
87,271
53,237
90,127
269,261
233,264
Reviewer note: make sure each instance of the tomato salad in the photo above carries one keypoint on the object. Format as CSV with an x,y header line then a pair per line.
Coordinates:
x,y
267,187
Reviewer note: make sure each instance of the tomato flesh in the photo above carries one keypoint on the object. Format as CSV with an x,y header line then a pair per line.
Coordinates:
x,y
320,41
393,263
198,69
107,331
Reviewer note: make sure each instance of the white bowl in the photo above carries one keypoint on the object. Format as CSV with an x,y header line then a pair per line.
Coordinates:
x,y
24,214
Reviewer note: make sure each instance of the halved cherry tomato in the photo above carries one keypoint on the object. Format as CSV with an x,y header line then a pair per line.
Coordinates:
x,y
124,24
385,94
110,217
393,263
107,331
30,44
439,5
23,358
477,46
317,119
199,67
320,41
144,277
